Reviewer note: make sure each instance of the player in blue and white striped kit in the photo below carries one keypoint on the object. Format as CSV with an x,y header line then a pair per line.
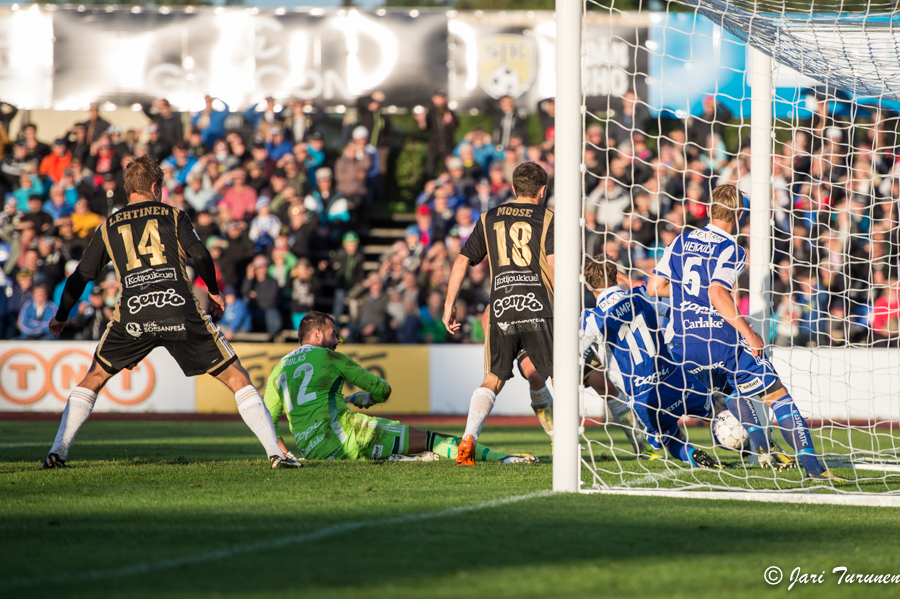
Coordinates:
x,y
624,331
699,271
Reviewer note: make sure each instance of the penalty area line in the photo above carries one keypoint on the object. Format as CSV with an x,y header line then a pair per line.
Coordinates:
x,y
315,535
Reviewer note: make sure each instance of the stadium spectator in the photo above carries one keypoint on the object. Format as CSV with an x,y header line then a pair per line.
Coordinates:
x,y
36,149
263,118
95,126
263,297
236,318
59,159
370,322
210,123
441,123
346,266
238,197
168,123
507,123
378,126
35,216
84,222
633,117
305,288
181,162
35,315
92,318
29,185
350,172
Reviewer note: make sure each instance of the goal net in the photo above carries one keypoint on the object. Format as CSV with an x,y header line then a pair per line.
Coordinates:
x,y
668,97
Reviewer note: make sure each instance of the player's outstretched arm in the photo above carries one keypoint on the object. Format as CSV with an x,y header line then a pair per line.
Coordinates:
x,y
358,376
721,299
95,258
658,286
457,274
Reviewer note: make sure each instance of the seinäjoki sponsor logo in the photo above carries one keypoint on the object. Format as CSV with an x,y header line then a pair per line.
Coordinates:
x,y
154,327
519,303
148,277
133,329
522,278
157,299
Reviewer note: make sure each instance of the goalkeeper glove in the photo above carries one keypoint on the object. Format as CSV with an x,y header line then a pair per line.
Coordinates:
x,y
361,399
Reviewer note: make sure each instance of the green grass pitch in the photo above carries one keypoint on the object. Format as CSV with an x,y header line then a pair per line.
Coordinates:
x,y
190,509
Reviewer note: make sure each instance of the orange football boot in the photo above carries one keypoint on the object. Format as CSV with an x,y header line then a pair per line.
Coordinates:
x,y
466,453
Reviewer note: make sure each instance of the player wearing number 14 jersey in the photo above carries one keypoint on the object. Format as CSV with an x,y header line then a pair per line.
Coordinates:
x,y
148,243
517,240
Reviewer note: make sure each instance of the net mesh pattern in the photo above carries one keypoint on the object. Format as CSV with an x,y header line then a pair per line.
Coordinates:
x,y
653,155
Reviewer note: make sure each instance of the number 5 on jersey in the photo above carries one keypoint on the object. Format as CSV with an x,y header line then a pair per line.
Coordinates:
x,y
149,245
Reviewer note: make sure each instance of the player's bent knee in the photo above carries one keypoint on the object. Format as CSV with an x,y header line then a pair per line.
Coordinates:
x,y
95,378
537,382
597,380
775,392
234,377
493,383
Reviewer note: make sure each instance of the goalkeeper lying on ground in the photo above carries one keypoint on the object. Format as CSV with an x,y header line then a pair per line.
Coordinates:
x,y
307,385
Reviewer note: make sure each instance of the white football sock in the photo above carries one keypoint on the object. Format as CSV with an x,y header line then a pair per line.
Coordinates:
x,y
542,404
256,416
480,407
617,408
541,398
78,410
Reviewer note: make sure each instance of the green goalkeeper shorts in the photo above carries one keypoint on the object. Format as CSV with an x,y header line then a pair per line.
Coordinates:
x,y
370,438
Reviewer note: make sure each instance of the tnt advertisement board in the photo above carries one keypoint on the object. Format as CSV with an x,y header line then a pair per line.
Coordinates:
x,y
38,376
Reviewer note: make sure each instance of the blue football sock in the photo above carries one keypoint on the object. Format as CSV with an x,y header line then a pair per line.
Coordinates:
x,y
678,446
796,433
743,411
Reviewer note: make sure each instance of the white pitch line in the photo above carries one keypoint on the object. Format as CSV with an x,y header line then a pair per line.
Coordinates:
x,y
328,531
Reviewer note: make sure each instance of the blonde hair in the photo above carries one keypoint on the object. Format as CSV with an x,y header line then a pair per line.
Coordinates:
x,y
725,202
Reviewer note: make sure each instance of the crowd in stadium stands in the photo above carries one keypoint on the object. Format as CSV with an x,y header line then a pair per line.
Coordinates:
x,y
282,208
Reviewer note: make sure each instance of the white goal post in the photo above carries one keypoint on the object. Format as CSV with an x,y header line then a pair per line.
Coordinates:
x,y
855,428
567,241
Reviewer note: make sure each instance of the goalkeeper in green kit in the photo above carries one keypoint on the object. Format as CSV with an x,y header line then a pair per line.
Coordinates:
x,y
307,383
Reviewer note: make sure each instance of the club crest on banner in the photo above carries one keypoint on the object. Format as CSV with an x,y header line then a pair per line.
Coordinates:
x,y
507,64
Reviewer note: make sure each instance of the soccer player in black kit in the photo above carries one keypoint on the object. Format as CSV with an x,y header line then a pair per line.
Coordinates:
x,y
517,239
148,243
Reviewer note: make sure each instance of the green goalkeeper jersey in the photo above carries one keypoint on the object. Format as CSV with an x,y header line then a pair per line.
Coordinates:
x,y
307,384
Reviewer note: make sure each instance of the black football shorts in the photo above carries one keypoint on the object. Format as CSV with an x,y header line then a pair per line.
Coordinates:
x,y
505,341
196,344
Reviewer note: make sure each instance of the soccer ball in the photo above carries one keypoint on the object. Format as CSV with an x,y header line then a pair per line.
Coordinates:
x,y
728,432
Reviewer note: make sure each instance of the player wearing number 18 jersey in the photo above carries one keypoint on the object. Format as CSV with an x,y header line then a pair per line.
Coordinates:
x,y
148,244
517,240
